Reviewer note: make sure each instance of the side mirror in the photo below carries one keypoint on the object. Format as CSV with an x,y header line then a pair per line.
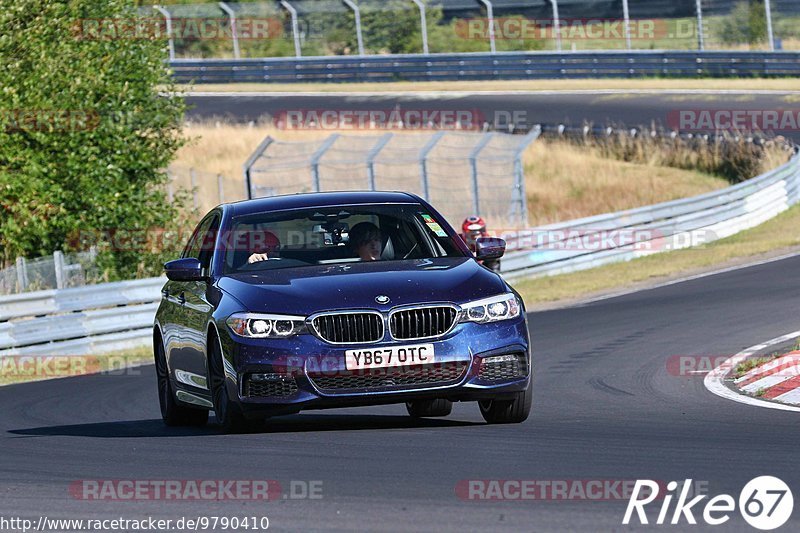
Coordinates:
x,y
186,269
487,248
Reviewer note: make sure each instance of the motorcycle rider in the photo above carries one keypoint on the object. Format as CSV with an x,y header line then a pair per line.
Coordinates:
x,y
472,228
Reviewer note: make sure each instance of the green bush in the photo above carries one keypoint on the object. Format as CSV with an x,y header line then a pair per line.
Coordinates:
x,y
747,23
85,133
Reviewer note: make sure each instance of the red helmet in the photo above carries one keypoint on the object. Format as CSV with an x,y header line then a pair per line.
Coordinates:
x,y
473,224
264,241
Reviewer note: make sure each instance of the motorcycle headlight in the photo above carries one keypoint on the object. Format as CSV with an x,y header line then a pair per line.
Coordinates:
x,y
494,309
263,326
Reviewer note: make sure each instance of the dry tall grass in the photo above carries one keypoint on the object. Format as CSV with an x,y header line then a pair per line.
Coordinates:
x,y
563,181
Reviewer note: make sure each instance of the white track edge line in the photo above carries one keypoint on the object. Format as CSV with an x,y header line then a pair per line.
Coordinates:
x,y
459,94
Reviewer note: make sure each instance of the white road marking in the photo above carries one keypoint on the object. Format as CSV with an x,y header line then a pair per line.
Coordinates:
x,y
769,381
793,396
714,380
460,94
780,361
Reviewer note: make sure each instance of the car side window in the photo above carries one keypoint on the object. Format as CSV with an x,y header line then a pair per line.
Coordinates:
x,y
209,239
201,244
192,248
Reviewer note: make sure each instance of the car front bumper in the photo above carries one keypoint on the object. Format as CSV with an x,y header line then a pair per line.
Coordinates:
x,y
304,372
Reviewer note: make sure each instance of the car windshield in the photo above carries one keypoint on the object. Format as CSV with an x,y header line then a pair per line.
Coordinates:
x,y
333,235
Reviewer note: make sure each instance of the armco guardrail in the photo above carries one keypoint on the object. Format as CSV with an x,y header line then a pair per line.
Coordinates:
x,y
95,318
651,229
487,66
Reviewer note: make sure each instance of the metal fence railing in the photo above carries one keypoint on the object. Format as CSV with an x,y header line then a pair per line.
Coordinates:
x,y
552,249
81,320
485,66
306,28
461,173
57,271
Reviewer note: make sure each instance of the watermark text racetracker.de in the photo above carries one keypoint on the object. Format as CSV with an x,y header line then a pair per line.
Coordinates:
x,y
181,28
734,120
14,367
572,29
150,523
547,489
572,238
380,119
180,490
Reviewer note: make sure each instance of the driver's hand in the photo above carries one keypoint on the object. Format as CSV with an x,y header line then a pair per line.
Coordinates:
x,y
255,258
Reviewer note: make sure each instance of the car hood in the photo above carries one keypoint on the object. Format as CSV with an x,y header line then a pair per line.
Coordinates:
x,y
306,290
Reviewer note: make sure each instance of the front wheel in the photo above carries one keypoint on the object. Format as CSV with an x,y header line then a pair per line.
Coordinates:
x,y
511,411
228,413
172,413
429,408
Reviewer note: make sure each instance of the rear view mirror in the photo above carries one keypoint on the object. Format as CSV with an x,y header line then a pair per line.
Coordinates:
x,y
487,248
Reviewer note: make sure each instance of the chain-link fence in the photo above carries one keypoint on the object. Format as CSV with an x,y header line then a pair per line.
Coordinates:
x,y
204,189
285,28
58,271
460,173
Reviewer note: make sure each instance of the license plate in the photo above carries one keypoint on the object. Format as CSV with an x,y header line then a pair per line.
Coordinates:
x,y
418,354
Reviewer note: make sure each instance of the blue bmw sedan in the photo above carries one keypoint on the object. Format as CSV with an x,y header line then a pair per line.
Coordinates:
x,y
323,300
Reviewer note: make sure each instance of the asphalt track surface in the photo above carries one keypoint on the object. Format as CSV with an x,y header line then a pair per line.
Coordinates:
x,y
630,109
605,407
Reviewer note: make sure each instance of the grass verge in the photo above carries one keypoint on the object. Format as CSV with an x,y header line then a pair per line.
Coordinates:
x,y
27,368
749,364
775,235
711,84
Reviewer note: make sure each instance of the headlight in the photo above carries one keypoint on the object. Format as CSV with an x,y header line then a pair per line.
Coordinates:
x,y
492,309
260,326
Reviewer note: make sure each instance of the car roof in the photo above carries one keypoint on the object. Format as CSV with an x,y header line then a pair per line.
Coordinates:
x,y
317,199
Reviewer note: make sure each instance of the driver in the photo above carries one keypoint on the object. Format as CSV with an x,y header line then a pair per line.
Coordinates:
x,y
267,243
367,241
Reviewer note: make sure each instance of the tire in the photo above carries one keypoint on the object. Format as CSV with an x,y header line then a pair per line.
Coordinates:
x,y
508,411
429,408
172,413
228,414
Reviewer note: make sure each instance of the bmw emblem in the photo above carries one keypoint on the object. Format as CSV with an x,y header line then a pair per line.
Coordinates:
x,y
382,299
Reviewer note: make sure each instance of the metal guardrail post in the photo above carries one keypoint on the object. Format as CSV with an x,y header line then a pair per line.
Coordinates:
x,y
770,35
259,151
373,153
58,265
423,162
423,25
701,45
519,173
556,25
490,17
626,16
170,41
357,14
295,27
220,189
473,163
22,274
315,180
232,16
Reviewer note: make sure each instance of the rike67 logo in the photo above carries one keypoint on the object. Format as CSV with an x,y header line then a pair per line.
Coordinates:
x,y
765,503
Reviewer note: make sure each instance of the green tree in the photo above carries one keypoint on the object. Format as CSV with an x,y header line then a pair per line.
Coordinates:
x,y
85,133
747,23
